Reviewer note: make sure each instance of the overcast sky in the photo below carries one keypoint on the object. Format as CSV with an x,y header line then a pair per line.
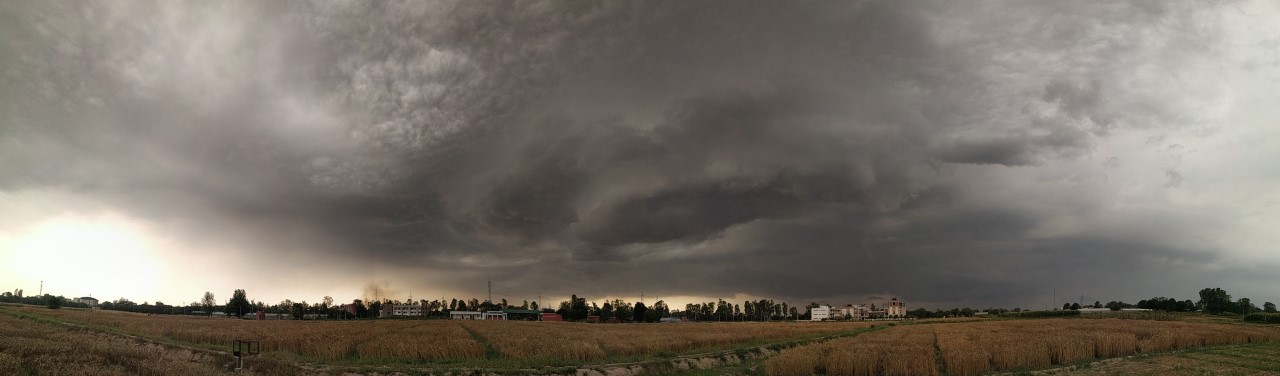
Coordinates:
x,y
951,153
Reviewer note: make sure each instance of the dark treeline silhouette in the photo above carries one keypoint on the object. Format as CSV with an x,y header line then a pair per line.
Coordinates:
x,y
1212,301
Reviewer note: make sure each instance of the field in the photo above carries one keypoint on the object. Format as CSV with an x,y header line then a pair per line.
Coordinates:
x,y
1009,345
444,341
76,341
28,347
1248,359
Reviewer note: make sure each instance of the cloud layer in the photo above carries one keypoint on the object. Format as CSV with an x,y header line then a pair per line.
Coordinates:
x,y
977,153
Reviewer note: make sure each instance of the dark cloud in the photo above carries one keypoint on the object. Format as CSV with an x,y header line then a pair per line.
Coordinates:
x,y
805,151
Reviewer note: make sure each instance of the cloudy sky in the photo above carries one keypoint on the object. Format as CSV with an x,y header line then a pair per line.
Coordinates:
x,y
980,153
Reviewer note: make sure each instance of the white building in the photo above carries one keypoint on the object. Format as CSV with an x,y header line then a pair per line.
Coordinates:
x,y
466,315
87,300
820,313
495,315
896,308
854,312
401,310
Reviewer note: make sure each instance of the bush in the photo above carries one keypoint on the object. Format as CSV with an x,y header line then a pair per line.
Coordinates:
x,y
1040,314
1269,318
54,302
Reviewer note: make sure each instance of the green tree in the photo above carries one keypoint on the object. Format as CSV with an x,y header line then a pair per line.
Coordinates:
x,y
53,302
640,311
207,302
1075,306
1269,307
1245,306
1215,300
239,304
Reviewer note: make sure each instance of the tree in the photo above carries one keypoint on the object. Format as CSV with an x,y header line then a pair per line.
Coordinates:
x,y
1245,306
1269,307
1075,306
1097,304
1215,300
1066,306
53,302
326,302
207,302
640,310
239,304
1115,306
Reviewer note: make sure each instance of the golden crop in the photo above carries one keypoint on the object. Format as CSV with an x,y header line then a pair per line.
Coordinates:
x,y
444,339
978,347
560,340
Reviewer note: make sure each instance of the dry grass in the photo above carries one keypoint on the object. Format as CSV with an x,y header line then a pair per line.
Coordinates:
x,y
28,347
896,351
559,340
425,340
402,339
980,347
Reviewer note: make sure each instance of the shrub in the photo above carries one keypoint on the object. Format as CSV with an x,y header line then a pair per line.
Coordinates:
x,y
1269,318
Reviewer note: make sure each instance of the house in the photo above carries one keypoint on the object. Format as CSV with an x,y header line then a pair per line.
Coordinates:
x,y
552,317
87,300
466,315
495,315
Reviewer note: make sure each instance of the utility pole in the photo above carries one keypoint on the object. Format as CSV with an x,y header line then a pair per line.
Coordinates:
x,y
490,290
41,288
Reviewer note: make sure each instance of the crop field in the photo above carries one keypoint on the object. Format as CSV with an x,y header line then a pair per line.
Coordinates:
x,y
28,347
980,347
1247,359
557,340
937,348
417,341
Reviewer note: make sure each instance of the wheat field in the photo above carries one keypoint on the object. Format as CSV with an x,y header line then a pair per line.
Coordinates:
x,y
979,347
426,340
32,348
560,340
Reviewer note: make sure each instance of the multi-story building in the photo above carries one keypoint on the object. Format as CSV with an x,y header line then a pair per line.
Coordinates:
x,y
896,308
401,310
820,313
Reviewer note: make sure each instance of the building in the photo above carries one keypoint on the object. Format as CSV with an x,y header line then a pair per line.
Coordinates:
x,y
495,315
522,314
401,310
852,312
552,317
820,313
466,315
87,300
896,308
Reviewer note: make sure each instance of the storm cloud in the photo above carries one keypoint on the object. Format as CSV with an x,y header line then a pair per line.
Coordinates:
x,y
975,153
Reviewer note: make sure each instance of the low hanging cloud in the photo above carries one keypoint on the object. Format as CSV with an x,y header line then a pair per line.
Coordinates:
x,y
948,153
